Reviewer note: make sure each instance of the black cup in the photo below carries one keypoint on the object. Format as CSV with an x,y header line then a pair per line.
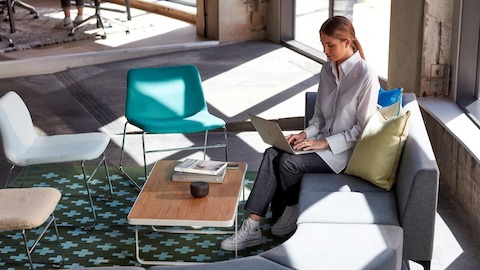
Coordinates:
x,y
199,189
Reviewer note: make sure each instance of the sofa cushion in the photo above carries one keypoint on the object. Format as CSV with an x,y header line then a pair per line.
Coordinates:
x,y
328,197
312,182
377,153
249,263
348,207
108,268
340,246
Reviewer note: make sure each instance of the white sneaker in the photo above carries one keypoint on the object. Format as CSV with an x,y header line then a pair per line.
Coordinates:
x,y
66,23
247,236
287,223
78,20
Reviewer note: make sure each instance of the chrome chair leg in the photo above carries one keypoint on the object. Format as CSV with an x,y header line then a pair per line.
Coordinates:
x,y
226,142
25,173
27,249
144,156
122,171
9,175
225,147
88,178
123,145
107,174
58,241
30,250
7,181
26,6
85,178
205,145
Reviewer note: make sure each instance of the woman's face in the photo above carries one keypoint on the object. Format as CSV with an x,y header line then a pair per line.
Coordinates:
x,y
336,49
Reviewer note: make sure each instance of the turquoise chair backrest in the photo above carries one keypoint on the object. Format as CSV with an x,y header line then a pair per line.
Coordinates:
x,y
163,93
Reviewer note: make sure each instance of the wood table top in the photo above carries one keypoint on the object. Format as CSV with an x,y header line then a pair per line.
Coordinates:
x,y
162,202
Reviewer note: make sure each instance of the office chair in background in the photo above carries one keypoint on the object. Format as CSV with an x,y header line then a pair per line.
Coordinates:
x,y
6,4
10,6
19,3
100,20
10,41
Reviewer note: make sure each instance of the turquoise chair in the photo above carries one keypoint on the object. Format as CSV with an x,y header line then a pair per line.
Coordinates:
x,y
167,100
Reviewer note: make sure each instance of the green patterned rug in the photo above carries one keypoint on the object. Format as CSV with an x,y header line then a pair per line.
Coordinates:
x,y
112,242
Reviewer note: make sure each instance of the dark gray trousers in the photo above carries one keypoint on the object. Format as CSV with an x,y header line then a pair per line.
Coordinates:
x,y
278,180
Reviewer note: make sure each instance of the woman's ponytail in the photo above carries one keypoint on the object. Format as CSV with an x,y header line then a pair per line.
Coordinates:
x,y
357,46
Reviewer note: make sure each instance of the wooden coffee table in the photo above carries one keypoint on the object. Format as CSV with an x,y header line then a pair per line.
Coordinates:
x,y
162,202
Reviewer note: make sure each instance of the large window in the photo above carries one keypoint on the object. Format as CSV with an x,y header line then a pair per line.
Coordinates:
x,y
467,78
371,19
309,16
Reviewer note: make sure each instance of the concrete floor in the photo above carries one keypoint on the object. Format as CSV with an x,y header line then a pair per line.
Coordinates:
x,y
257,77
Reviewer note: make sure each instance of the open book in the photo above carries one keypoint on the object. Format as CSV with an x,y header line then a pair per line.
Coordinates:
x,y
210,167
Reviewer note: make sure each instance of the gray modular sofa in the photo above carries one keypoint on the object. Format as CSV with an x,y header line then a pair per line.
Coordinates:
x,y
348,223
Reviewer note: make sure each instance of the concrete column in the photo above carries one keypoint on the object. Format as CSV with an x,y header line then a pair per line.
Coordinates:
x,y
420,40
232,20
405,54
437,36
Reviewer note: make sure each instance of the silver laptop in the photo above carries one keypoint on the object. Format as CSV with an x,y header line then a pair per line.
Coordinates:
x,y
272,134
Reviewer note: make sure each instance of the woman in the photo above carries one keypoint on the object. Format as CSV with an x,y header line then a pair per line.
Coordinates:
x,y
347,97
67,21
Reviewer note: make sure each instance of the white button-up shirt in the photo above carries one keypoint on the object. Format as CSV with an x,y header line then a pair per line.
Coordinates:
x,y
344,104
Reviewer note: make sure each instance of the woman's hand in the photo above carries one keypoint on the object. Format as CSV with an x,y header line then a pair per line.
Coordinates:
x,y
311,145
294,139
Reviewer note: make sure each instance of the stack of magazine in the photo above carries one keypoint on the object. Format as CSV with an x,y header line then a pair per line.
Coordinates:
x,y
191,170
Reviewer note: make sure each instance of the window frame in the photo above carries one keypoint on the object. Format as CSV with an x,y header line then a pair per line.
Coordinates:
x,y
466,58
287,36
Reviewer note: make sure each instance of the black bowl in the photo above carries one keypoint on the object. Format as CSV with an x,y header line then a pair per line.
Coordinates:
x,y
199,189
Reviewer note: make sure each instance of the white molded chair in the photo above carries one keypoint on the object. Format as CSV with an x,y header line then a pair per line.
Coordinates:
x,y
23,146
28,208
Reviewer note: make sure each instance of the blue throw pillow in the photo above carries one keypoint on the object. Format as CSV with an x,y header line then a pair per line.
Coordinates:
x,y
389,97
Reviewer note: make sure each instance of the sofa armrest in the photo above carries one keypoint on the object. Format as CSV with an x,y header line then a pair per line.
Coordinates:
x,y
417,187
310,98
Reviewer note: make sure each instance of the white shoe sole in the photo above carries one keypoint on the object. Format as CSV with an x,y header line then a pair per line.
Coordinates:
x,y
283,231
77,22
231,246
68,26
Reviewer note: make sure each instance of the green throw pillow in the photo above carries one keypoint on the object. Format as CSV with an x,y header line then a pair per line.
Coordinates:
x,y
377,153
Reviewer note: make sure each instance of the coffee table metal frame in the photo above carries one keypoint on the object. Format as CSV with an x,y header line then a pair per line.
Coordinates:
x,y
172,194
